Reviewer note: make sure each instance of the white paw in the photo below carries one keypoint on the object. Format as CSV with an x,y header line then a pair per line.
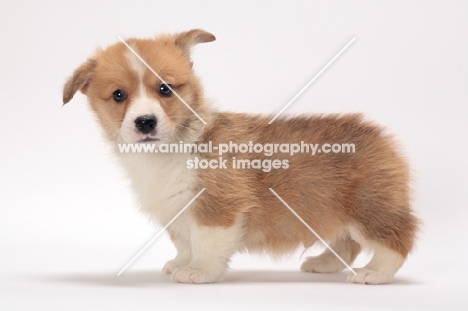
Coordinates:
x,y
173,264
194,276
322,264
368,276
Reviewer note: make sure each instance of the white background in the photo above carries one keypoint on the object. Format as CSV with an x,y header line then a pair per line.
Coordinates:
x,y
67,220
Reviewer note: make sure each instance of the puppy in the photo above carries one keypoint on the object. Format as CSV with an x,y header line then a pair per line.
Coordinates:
x,y
354,201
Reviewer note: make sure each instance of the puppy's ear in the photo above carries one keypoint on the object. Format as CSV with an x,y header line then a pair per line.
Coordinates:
x,y
79,80
186,40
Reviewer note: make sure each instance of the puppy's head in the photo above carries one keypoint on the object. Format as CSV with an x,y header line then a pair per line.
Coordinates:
x,y
139,92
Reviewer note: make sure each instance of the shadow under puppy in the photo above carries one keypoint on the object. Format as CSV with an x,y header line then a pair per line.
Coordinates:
x,y
352,200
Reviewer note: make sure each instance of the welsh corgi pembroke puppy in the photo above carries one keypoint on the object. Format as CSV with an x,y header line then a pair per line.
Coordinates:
x,y
144,92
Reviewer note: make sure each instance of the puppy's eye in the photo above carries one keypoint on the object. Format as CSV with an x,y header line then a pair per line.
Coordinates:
x,y
165,89
119,96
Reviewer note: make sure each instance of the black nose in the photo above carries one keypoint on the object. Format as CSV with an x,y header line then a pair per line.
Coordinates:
x,y
146,124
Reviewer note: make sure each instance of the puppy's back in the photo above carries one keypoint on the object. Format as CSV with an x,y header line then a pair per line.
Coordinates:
x,y
366,188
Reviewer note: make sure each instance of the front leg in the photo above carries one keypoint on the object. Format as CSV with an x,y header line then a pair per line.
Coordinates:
x,y
184,255
212,246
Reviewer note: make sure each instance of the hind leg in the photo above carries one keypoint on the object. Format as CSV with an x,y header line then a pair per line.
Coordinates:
x,y
327,262
381,268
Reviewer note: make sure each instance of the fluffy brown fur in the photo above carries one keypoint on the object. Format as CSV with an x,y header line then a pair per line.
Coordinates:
x,y
368,188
